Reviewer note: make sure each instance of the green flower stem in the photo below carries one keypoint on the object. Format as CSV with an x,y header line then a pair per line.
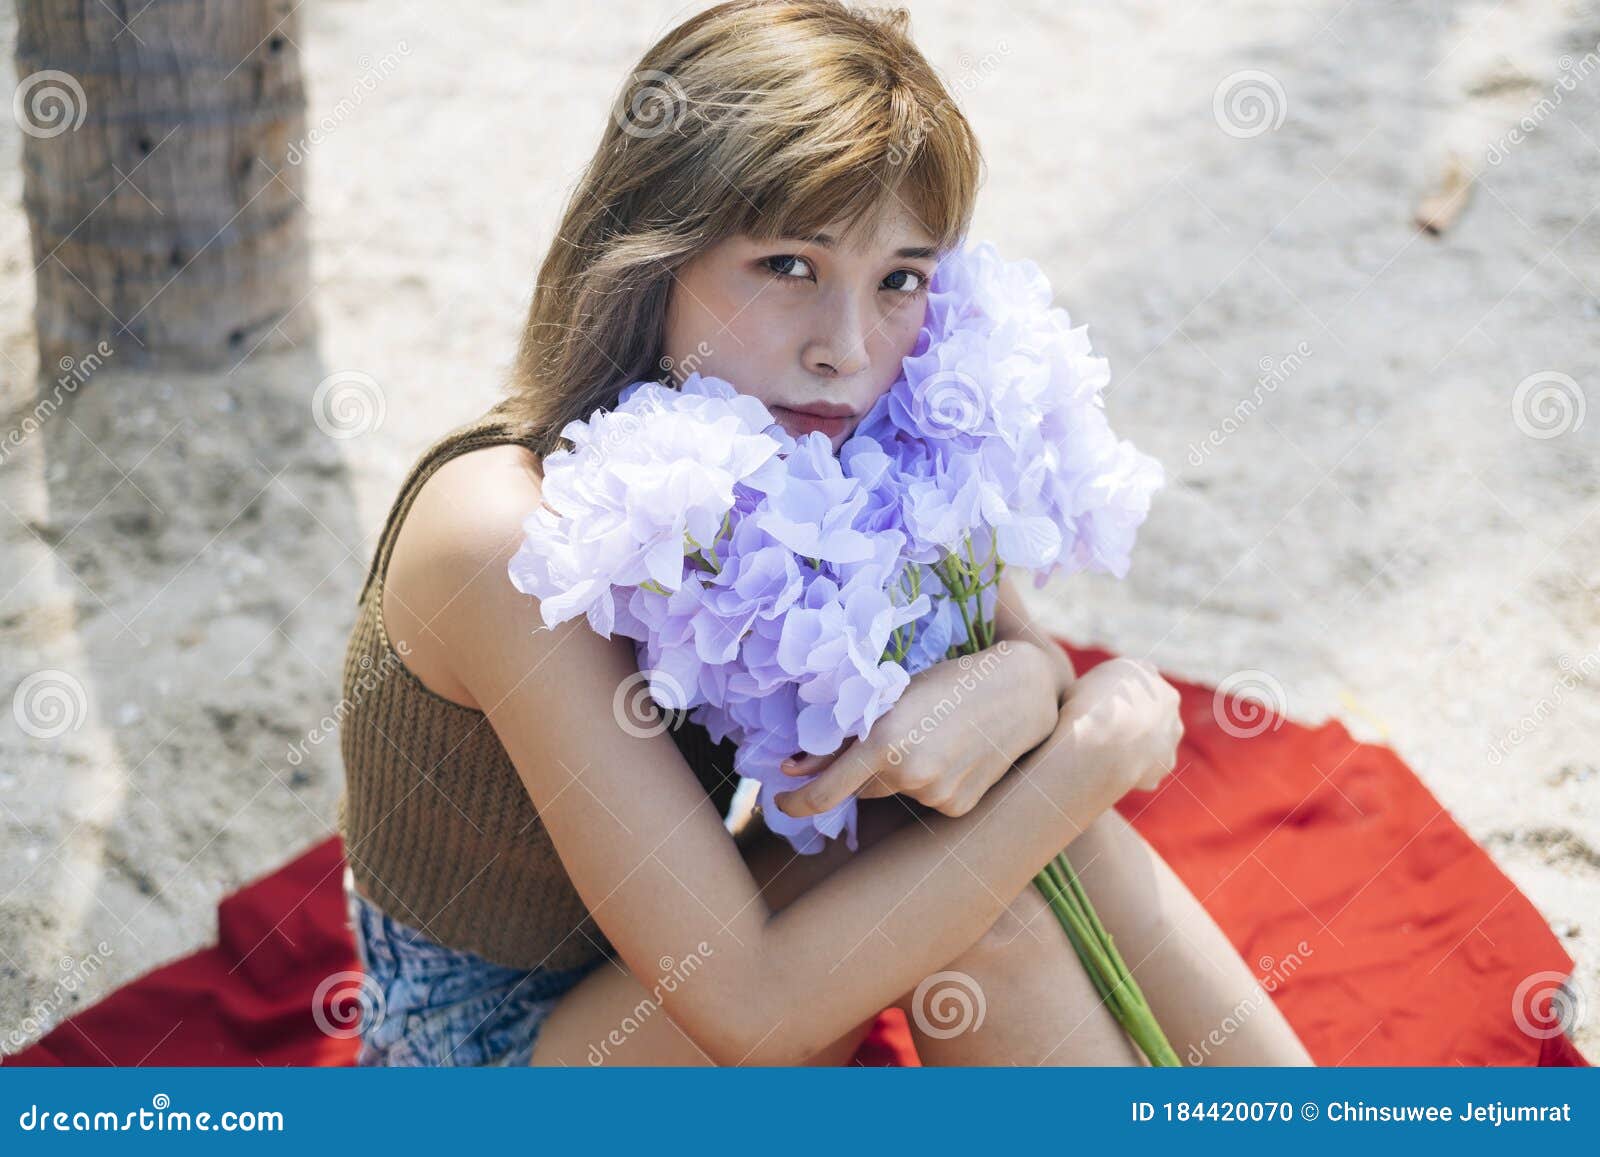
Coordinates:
x,y
947,570
1099,961
1062,908
1076,885
1107,971
903,636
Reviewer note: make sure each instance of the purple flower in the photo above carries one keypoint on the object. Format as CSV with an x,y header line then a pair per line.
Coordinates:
x,y
645,485
997,422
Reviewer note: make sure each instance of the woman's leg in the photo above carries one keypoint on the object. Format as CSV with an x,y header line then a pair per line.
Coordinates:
x,y
1019,996
1038,1004
1204,995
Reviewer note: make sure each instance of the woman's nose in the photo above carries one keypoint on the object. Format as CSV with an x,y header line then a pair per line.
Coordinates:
x,y
840,347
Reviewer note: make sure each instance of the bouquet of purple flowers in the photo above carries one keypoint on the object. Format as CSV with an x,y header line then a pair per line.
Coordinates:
x,y
784,596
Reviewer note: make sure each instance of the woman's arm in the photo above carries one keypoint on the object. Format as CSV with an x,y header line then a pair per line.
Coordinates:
x,y
652,861
1013,621
650,856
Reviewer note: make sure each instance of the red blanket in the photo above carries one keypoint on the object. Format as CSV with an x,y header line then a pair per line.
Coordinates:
x,y
1421,943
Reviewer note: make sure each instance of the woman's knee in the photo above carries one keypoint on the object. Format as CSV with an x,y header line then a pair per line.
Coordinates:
x,y
1124,878
1013,939
1114,865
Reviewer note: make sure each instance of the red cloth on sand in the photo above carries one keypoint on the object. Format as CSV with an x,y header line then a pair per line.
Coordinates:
x,y
1418,944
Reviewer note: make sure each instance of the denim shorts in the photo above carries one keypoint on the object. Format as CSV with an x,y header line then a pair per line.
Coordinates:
x,y
426,1004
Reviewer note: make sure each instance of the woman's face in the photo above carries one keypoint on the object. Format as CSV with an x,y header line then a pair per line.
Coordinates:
x,y
813,327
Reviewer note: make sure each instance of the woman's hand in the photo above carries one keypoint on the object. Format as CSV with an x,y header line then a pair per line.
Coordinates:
x,y
1129,714
953,733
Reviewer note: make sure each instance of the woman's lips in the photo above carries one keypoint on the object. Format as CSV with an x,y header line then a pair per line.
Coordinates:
x,y
799,423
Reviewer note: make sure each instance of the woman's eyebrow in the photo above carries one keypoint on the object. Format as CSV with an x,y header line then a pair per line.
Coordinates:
x,y
826,241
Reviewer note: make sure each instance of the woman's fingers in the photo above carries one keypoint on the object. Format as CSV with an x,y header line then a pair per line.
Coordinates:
x,y
983,778
844,777
855,770
875,788
1153,778
805,763
959,789
965,799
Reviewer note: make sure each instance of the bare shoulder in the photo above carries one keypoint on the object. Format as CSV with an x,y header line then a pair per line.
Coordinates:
x,y
448,569
474,501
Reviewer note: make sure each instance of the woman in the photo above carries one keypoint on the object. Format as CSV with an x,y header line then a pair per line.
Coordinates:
x,y
539,865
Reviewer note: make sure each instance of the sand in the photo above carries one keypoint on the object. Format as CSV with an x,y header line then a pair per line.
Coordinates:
x,y
1365,519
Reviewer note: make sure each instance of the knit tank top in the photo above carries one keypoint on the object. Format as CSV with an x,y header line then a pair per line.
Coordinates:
x,y
438,829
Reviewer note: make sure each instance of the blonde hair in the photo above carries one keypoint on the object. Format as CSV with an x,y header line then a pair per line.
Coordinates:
x,y
762,117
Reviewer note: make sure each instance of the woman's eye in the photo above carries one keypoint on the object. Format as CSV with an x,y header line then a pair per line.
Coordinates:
x,y
919,281
792,267
784,265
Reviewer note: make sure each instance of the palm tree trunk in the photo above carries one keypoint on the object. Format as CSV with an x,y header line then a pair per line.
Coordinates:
x,y
166,218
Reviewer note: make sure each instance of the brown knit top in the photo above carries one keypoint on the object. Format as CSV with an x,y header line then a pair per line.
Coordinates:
x,y
438,829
